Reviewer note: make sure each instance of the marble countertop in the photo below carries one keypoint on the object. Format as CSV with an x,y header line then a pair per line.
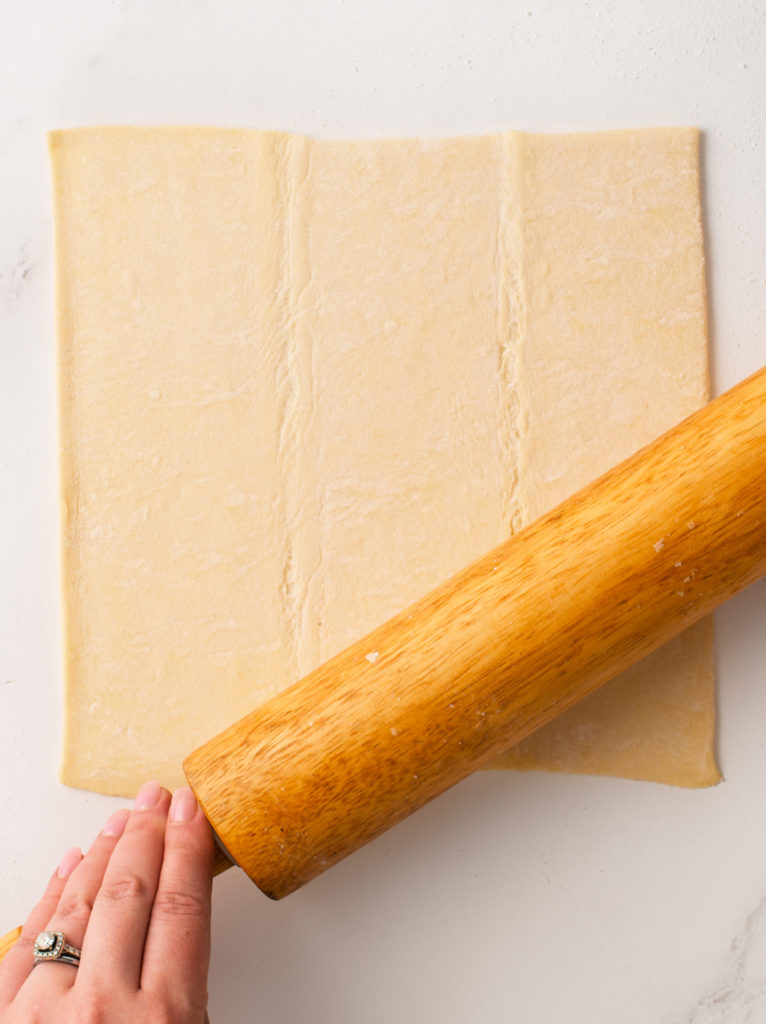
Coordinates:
x,y
533,898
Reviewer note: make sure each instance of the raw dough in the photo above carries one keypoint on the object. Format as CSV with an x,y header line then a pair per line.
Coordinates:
x,y
304,381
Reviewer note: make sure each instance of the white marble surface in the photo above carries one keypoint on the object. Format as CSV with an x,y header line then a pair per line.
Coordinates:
x,y
537,898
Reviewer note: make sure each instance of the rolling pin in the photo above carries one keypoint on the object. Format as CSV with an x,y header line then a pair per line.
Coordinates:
x,y
495,652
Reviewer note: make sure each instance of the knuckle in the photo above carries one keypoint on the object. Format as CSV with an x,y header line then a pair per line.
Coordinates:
x,y
177,903
147,825
75,907
166,1012
170,1008
157,1008
35,1009
126,886
93,1010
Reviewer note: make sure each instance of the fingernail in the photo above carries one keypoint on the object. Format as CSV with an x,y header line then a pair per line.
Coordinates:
x,y
69,861
115,826
148,796
183,806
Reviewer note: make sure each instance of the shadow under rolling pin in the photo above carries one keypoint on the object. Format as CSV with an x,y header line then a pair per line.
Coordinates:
x,y
494,653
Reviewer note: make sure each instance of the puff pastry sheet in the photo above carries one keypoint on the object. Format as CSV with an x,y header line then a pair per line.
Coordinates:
x,y
303,382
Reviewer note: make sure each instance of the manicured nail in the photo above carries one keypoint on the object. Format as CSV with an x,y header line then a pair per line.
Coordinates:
x,y
69,861
183,806
116,824
148,796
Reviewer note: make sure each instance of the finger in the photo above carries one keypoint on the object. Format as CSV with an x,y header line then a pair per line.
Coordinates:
x,y
72,913
178,943
114,942
19,960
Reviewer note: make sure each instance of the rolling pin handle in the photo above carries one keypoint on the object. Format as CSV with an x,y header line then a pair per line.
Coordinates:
x,y
7,942
223,860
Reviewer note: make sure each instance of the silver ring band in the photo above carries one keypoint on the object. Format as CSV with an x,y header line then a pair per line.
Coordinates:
x,y
63,958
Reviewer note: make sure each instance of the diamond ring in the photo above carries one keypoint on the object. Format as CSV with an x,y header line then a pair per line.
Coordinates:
x,y
51,947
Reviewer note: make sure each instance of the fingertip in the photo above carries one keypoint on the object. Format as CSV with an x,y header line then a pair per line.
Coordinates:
x,y
115,826
148,796
69,862
183,806
188,829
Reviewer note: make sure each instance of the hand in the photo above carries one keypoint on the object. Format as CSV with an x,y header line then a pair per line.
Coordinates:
x,y
138,905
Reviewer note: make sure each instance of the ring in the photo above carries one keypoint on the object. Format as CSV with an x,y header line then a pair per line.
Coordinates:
x,y
52,947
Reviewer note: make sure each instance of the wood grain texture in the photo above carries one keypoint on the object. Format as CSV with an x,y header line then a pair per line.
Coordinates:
x,y
482,661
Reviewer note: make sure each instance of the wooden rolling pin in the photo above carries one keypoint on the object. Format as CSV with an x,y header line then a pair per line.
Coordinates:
x,y
534,626
494,653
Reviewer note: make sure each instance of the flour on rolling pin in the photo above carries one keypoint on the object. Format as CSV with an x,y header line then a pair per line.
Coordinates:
x,y
304,382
